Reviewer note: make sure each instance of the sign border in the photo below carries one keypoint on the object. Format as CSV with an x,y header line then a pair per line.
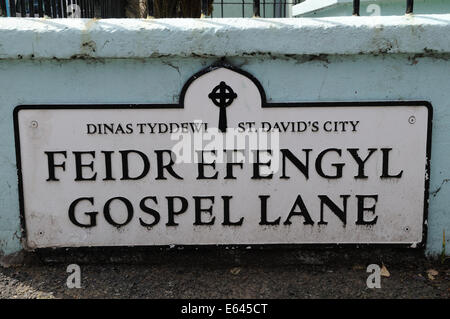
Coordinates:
x,y
265,104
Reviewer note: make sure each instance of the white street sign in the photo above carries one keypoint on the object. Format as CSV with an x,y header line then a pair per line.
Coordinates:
x,y
283,173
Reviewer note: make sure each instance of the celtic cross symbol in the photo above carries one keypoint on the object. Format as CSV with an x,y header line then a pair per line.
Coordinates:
x,y
222,96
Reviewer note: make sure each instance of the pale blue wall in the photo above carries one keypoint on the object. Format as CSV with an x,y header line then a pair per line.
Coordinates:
x,y
332,78
74,61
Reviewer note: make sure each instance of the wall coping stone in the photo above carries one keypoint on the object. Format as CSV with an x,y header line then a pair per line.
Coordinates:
x,y
41,38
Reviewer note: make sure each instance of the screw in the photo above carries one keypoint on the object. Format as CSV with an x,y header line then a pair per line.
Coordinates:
x,y
412,119
406,229
34,124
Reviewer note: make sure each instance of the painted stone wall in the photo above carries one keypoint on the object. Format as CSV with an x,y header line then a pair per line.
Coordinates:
x,y
148,61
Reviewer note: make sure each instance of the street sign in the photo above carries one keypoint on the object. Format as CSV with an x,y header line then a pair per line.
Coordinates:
x,y
223,166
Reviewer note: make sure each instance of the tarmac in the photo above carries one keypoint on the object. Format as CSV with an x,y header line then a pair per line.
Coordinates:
x,y
226,273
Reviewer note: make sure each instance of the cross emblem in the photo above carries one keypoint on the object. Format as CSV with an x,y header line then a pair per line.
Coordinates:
x,y
222,96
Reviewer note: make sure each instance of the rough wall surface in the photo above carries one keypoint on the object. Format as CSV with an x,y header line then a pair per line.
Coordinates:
x,y
147,61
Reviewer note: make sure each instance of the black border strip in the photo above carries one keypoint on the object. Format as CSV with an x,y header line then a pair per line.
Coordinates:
x,y
265,104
